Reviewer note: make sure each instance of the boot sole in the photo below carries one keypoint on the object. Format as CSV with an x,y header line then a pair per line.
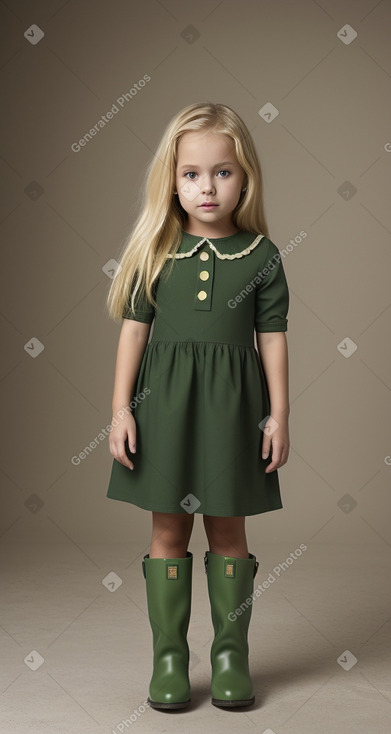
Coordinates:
x,y
225,703
162,705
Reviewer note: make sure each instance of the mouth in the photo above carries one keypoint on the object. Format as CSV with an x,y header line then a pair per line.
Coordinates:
x,y
208,205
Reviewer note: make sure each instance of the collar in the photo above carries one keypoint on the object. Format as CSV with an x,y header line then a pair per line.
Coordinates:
x,y
226,248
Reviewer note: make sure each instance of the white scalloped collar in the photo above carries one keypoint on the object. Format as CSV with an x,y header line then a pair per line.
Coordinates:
x,y
226,248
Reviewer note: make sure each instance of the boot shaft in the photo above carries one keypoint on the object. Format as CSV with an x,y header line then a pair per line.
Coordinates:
x,y
230,587
169,588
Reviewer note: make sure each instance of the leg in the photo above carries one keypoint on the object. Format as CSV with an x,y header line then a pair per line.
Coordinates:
x,y
230,572
168,574
171,533
226,535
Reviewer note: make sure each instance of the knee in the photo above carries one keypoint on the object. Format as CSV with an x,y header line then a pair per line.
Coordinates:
x,y
173,526
221,529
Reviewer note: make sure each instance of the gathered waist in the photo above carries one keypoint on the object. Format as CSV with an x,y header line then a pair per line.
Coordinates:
x,y
214,343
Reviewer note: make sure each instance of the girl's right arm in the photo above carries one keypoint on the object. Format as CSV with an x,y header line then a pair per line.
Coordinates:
x,y
131,346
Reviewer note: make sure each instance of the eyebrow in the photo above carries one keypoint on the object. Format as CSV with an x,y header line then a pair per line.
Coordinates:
x,y
193,165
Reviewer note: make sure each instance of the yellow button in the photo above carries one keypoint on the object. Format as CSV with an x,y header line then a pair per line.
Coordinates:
x,y
202,295
204,256
204,275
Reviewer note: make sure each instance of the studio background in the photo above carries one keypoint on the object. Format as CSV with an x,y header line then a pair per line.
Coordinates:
x,y
312,83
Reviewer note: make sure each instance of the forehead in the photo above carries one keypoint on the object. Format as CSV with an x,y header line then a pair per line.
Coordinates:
x,y
205,143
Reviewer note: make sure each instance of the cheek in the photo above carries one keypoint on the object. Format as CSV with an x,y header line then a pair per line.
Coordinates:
x,y
233,189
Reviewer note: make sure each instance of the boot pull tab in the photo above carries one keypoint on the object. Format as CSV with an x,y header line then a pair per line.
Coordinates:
x,y
256,567
206,562
143,564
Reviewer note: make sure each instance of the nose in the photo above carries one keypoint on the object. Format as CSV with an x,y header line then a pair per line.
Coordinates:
x,y
207,187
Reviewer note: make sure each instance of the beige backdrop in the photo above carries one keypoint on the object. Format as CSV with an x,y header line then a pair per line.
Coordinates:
x,y
65,212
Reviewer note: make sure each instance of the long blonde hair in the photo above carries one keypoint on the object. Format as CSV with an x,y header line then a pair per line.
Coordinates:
x,y
157,231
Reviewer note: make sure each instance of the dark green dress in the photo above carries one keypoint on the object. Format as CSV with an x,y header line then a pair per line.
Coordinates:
x,y
201,388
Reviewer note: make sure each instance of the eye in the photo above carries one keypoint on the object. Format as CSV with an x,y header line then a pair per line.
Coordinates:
x,y
223,170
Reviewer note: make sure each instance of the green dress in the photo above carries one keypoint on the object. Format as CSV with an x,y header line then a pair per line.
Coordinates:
x,y
201,390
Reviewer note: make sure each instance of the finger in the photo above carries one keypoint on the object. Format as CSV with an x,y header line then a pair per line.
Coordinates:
x,y
271,467
118,451
132,442
123,459
276,458
266,447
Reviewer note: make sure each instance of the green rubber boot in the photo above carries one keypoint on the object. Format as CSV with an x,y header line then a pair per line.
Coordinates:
x,y
230,583
168,585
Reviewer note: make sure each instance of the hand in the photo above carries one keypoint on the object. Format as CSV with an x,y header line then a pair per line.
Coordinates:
x,y
278,440
126,429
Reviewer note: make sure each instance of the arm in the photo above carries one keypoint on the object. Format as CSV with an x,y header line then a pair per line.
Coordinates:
x,y
131,346
273,351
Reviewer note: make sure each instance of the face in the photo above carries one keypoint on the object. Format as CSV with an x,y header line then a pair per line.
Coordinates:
x,y
208,170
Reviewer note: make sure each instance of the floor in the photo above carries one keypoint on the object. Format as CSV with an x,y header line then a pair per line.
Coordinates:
x,y
76,642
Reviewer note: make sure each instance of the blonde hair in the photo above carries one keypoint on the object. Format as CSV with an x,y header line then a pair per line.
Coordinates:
x,y
157,231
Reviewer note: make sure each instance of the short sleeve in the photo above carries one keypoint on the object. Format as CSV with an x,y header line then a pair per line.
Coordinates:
x,y
144,310
272,296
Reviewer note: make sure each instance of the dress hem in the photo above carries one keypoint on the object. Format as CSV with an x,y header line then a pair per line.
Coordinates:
x,y
198,511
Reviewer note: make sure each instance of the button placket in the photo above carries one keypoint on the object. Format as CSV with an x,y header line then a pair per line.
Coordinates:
x,y
205,272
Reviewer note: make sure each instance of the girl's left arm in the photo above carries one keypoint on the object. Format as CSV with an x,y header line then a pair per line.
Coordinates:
x,y
273,351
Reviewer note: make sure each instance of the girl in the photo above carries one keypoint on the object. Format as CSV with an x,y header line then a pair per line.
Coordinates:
x,y
200,417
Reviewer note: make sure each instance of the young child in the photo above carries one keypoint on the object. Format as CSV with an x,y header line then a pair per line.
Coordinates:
x,y
200,416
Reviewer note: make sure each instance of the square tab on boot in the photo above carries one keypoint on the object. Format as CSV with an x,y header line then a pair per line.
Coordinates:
x,y
172,572
229,569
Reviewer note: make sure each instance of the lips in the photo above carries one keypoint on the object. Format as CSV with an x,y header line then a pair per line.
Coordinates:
x,y
208,205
